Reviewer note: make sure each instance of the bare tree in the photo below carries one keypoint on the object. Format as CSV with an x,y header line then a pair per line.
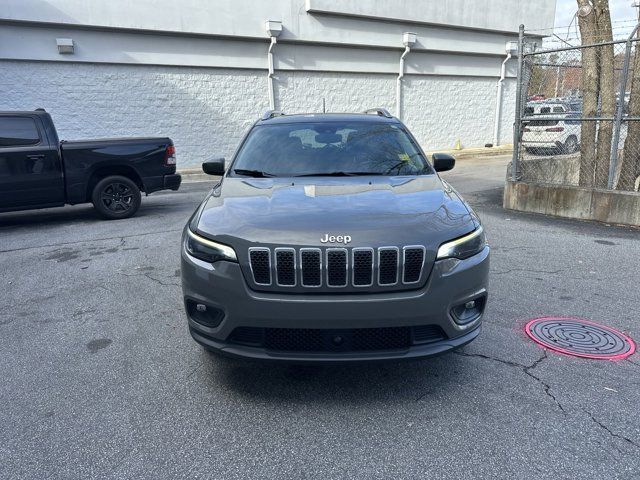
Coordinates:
x,y
631,154
590,77
606,90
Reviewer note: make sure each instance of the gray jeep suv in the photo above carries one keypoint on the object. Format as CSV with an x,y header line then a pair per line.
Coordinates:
x,y
331,238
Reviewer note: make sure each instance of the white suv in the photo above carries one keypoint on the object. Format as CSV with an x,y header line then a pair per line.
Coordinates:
x,y
553,127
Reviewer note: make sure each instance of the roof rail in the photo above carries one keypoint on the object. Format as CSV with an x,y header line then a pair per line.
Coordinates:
x,y
40,109
271,113
383,112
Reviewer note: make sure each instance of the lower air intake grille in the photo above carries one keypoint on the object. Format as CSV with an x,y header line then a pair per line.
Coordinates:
x,y
248,336
353,340
336,340
428,334
294,339
381,338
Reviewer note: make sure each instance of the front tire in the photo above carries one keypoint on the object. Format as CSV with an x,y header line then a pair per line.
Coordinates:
x,y
571,145
116,197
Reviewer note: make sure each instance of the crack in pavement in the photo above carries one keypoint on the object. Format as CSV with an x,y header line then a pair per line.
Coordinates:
x,y
528,270
192,372
547,387
526,369
160,282
148,275
514,248
608,430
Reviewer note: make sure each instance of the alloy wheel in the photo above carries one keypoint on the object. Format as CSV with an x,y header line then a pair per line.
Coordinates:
x,y
117,197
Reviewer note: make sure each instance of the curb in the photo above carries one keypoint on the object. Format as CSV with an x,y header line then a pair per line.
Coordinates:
x,y
195,175
479,152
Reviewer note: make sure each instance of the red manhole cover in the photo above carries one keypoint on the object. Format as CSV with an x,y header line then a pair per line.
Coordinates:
x,y
580,338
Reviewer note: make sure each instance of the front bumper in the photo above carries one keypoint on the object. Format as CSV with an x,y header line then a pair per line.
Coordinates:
x,y
222,285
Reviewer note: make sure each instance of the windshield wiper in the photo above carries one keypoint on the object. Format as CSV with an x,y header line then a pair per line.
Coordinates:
x,y
340,174
252,173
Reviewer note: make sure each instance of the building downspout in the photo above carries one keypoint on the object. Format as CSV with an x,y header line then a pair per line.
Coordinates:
x,y
274,29
408,39
496,127
512,49
272,99
407,49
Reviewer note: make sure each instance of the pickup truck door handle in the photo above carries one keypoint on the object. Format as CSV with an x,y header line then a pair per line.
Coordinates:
x,y
35,157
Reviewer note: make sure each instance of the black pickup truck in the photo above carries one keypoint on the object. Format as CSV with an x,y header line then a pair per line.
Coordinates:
x,y
38,171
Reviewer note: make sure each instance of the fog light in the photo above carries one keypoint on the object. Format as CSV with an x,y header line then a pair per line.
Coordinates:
x,y
469,311
204,314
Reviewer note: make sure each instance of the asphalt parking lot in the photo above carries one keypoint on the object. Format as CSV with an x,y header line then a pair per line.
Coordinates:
x,y
100,378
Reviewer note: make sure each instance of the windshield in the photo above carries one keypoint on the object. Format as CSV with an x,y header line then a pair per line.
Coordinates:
x,y
329,148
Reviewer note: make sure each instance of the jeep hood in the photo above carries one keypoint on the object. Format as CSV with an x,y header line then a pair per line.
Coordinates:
x,y
373,211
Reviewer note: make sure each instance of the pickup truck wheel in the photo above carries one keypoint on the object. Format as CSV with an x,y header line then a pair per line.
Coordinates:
x,y
116,197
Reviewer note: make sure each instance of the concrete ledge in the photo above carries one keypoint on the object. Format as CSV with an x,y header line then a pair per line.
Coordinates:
x,y
574,202
558,169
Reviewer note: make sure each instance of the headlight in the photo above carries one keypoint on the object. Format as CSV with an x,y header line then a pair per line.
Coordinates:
x,y
463,247
208,250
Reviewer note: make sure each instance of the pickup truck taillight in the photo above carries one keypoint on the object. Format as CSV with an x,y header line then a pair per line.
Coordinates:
x,y
554,129
170,156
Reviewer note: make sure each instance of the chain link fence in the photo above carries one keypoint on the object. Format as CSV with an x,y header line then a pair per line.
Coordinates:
x,y
578,115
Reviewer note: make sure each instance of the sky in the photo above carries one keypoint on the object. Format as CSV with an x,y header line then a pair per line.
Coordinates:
x,y
621,13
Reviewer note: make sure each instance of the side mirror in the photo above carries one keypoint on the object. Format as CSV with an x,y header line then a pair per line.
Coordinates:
x,y
213,167
443,162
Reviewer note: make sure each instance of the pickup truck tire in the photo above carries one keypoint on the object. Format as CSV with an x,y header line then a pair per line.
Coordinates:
x,y
116,197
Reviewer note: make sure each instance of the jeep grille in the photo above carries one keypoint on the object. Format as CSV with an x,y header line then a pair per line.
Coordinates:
x,y
337,267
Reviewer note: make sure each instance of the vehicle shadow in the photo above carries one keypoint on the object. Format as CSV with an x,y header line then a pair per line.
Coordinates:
x,y
53,216
78,214
338,384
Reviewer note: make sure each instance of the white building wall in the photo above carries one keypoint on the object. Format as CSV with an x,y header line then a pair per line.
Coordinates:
x,y
343,92
440,110
207,110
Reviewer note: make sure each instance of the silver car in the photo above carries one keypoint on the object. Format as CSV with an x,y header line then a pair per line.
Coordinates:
x,y
331,238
